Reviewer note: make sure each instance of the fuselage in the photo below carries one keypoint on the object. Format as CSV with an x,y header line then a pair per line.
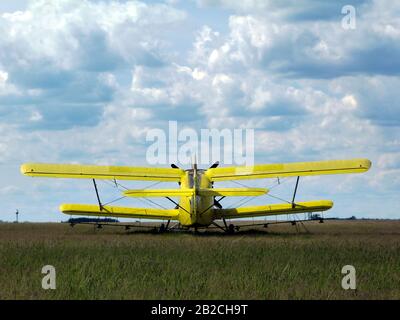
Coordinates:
x,y
196,210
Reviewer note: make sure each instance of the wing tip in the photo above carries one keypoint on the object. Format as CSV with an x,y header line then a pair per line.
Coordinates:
x,y
26,168
65,208
322,204
367,164
327,203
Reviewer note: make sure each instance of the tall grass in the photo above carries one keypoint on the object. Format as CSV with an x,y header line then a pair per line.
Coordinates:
x,y
278,264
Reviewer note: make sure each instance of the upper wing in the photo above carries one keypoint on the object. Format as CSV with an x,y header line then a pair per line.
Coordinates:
x,y
100,172
289,169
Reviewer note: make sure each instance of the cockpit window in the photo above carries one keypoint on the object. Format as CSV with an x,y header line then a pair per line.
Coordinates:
x,y
191,178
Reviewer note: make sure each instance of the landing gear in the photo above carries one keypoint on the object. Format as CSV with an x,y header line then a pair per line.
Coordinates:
x,y
231,228
163,227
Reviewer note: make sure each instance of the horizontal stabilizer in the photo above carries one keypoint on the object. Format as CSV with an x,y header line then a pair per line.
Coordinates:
x,y
233,192
225,192
120,212
273,209
159,193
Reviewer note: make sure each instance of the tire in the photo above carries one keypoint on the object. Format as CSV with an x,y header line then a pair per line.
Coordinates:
x,y
162,228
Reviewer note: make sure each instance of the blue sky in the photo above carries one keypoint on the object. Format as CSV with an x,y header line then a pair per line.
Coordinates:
x,y
83,81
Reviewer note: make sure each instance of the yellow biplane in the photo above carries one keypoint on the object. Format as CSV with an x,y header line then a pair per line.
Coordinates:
x,y
199,204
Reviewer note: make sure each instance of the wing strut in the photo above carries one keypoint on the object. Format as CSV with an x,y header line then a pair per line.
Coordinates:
x,y
295,190
177,205
215,203
97,194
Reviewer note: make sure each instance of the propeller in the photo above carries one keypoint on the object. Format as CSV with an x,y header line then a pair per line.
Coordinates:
x,y
216,164
217,202
174,166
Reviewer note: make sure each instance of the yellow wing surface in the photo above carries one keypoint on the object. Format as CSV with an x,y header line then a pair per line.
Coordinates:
x,y
233,192
120,212
273,209
142,193
226,192
100,172
289,169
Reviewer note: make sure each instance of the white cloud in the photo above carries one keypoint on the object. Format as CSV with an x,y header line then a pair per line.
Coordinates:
x,y
83,81
84,34
260,99
350,101
35,116
9,190
3,78
389,161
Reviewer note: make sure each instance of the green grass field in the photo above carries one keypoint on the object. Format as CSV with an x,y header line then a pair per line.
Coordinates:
x,y
274,263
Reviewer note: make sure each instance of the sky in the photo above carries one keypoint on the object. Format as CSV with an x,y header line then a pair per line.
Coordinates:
x,y
83,81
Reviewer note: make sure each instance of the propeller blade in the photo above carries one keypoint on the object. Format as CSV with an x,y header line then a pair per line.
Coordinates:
x,y
216,164
217,204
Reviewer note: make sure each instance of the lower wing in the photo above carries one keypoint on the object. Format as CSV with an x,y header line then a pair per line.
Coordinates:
x,y
273,209
120,212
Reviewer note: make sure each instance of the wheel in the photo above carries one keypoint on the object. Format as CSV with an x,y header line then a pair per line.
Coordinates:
x,y
162,228
231,228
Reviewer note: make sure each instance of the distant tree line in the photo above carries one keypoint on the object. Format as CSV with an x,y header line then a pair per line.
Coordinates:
x,y
316,216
